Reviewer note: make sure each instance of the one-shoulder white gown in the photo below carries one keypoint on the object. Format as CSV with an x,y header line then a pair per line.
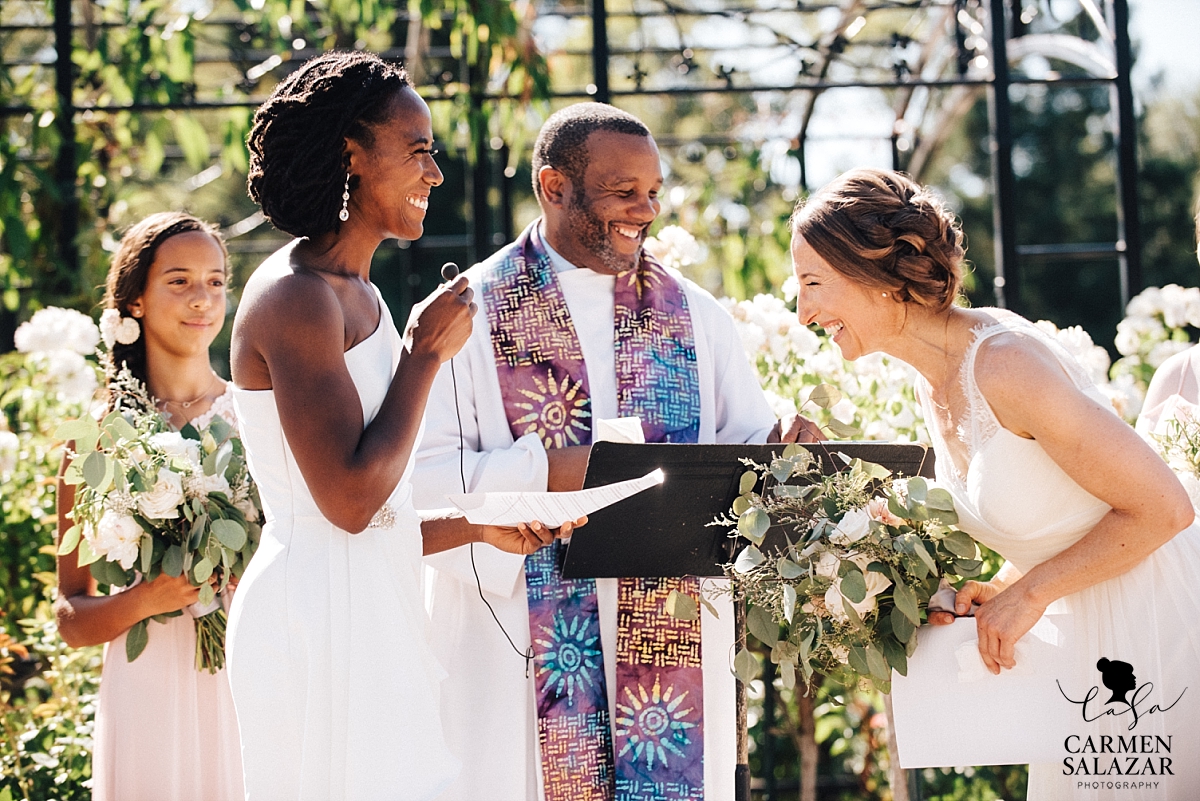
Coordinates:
x,y
335,687
1016,500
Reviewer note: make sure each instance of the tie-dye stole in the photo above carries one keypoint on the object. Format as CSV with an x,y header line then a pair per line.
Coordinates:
x,y
659,746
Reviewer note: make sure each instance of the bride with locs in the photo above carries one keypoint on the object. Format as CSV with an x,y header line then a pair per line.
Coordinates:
x,y
335,687
1042,471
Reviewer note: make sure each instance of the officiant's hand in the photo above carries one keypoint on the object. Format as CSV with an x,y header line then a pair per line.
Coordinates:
x,y
795,428
526,537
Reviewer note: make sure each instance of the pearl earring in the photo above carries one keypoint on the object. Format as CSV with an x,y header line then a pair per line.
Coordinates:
x,y
344,214
884,294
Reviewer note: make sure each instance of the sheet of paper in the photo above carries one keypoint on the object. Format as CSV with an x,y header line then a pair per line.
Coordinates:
x,y
951,711
551,508
620,429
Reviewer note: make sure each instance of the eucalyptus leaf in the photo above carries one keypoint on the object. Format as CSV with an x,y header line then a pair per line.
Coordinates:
x,y
851,613
86,555
172,561
748,559
918,489
876,471
938,498
745,666
681,606
791,449
895,656
902,627
788,569
207,593
94,469
906,602
747,483
69,540
189,431
825,396
854,585
146,553
753,525
858,660
877,664
740,505
896,508
795,491
136,640
232,535
842,430
762,625
121,429
923,554
789,602
787,672
967,568
73,475
709,606
960,544
202,571
781,469
83,429
220,428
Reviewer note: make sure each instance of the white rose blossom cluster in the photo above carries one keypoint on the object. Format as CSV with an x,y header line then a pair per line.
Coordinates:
x,y
1155,328
674,247
878,395
57,341
1122,392
115,328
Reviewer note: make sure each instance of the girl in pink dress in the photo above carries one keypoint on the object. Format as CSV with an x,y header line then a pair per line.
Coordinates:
x,y
165,731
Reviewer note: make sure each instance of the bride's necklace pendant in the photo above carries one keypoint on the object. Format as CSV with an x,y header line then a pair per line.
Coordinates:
x,y
385,518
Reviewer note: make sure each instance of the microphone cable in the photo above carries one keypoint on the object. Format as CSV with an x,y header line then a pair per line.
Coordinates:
x,y
449,273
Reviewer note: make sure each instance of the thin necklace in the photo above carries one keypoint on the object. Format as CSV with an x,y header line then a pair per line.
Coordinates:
x,y
188,404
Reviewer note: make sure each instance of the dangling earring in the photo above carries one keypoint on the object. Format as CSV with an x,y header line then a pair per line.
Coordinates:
x,y
344,214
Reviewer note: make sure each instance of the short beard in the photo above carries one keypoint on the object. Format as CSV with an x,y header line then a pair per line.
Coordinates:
x,y
593,234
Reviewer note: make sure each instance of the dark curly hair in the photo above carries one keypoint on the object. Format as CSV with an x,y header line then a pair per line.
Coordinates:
x,y
882,229
297,141
129,270
562,142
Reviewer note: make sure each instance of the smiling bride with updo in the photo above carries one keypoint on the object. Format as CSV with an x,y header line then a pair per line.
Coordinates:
x,y
1042,471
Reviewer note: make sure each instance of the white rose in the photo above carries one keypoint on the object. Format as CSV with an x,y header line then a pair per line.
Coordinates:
x,y
116,538
178,446
163,500
876,583
1165,350
855,525
827,565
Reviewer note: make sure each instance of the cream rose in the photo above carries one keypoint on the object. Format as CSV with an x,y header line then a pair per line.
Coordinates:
x,y
162,501
855,525
876,583
877,508
116,538
175,445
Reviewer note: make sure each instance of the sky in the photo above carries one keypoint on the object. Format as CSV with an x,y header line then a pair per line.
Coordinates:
x,y
1167,33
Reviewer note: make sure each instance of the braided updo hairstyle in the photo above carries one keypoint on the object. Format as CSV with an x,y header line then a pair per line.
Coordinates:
x,y
297,142
129,270
884,230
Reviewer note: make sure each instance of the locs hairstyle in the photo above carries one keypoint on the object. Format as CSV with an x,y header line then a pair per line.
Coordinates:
x,y
297,141
884,230
562,142
130,268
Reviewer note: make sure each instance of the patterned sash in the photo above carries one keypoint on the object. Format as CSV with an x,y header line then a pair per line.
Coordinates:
x,y
659,720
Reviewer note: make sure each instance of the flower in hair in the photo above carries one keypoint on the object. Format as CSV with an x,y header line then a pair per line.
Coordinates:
x,y
115,328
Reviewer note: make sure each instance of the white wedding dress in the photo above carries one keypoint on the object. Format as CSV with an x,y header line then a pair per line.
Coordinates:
x,y
335,686
1017,501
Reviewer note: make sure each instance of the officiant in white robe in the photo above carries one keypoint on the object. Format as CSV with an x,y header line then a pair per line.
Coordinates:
x,y
489,701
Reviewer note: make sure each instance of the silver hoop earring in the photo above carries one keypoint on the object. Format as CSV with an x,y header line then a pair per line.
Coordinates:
x,y
344,214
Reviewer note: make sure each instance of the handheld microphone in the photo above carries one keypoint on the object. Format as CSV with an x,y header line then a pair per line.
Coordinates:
x,y
449,271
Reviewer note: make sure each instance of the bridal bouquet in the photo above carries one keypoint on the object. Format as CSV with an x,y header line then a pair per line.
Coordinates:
x,y
150,500
845,584
1177,439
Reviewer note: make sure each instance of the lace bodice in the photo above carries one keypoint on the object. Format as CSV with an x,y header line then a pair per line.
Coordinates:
x,y
1010,494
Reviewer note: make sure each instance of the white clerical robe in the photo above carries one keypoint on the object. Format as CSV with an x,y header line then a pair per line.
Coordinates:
x,y
488,700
